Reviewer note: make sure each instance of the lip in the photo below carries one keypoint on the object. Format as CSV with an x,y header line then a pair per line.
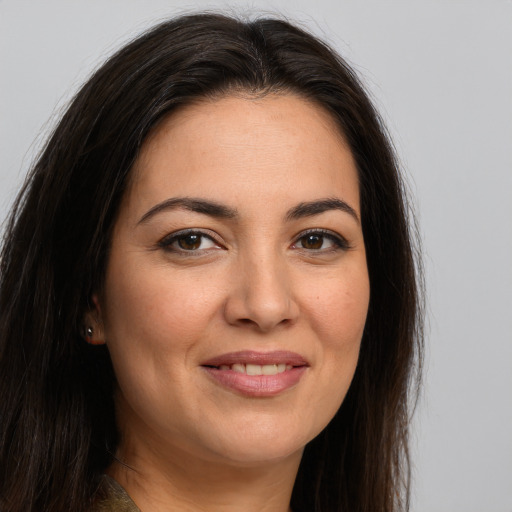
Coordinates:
x,y
254,357
256,385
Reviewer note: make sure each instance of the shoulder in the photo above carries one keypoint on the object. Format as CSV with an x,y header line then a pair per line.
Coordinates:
x,y
111,497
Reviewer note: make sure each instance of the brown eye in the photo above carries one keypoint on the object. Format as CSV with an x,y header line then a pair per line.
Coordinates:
x,y
312,242
321,242
189,242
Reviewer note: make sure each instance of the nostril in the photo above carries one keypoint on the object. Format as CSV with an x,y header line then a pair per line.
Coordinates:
x,y
262,324
246,321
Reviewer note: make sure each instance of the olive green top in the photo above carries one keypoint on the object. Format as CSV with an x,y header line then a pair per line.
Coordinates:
x,y
111,497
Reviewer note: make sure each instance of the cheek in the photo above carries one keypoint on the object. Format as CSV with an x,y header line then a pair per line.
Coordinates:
x,y
338,309
156,307
153,322
337,313
153,326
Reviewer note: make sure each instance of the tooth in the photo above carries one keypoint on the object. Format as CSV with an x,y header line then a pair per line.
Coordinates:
x,y
239,368
223,367
281,368
253,369
289,367
269,369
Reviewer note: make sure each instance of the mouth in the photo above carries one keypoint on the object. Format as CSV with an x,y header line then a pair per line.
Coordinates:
x,y
255,369
257,374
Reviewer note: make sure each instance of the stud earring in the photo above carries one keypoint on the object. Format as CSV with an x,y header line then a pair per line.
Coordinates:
x,y
88,332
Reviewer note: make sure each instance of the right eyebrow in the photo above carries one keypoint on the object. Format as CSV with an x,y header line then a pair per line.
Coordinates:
x,y
192,204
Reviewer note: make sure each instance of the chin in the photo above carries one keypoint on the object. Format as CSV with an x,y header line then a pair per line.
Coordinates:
x,y
260,443
261,454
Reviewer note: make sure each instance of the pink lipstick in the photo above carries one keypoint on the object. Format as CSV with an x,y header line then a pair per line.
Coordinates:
x,y
257,374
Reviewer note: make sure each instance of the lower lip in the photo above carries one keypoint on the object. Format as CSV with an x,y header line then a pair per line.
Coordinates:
x,y
257,385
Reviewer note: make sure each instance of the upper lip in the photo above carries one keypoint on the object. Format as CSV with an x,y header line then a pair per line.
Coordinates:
x,y
260,358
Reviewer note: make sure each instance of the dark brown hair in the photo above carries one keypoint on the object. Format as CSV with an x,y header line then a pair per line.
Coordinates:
x,y
57,423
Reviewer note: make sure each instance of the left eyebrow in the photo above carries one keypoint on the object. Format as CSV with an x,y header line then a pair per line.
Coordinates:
x,y
320,206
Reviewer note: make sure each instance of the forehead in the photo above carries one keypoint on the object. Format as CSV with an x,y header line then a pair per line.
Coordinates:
x,y
240,146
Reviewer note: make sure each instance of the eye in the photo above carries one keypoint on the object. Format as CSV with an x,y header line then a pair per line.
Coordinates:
x,y
320,241
188,241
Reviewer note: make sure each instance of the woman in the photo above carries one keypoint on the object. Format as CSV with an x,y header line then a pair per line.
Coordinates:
x,y
209,299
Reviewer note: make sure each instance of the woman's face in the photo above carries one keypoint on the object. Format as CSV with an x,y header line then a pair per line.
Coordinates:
x,y
237,289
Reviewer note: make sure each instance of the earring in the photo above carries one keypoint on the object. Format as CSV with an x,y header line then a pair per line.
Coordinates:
x,y
88,332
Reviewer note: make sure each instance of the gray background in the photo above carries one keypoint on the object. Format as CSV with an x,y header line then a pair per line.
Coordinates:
x,y
441,73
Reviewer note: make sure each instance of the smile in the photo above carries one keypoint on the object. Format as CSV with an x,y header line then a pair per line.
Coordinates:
x,y
257,374
257,369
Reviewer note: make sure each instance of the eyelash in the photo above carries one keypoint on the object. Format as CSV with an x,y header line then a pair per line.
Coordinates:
x,y
339,242
167,242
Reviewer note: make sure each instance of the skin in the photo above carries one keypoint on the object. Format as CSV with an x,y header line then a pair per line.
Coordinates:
x,y
254,282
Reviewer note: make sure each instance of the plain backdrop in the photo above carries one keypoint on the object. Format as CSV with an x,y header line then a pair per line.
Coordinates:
x,y
441,74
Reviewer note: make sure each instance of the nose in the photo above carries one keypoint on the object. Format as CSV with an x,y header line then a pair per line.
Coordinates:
x,y
261,296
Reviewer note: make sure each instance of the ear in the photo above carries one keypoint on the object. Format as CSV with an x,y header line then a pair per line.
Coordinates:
x,y
93,331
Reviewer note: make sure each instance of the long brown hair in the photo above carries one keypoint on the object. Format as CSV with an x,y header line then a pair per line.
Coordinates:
x,y
57,424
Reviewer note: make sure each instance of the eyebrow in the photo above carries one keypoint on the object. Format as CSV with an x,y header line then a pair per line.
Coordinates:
x,y
203,206
320,206
214,209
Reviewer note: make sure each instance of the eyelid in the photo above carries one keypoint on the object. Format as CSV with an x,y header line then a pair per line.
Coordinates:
x,y
340,241
166,242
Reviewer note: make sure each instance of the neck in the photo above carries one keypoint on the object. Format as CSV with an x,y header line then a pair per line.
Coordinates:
x,y
164,483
